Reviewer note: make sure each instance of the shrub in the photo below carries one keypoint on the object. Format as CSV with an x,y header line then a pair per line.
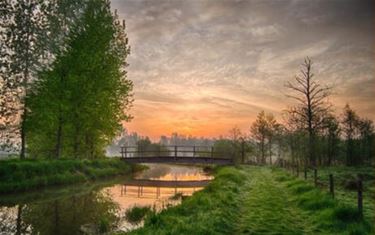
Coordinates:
x,y
137,213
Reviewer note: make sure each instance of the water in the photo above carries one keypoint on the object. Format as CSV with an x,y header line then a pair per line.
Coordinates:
x,y
81,209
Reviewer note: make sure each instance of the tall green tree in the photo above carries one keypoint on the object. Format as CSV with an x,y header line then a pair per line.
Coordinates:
x,y
258,131
79,103
349,125
238,144
31,35
8,87
295,139
23,40
331,135
263,132
272,126
367,140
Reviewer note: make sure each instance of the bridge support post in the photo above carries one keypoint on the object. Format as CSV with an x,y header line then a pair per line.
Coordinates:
x,y
157,192
175,152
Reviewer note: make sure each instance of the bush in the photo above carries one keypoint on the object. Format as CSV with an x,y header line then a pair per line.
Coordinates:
x,y
19,175
136,214
347,214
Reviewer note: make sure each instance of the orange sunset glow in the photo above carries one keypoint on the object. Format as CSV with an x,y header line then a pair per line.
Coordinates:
x,y
202,67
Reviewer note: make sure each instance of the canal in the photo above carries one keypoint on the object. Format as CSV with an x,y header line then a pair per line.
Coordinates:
x,y
87,208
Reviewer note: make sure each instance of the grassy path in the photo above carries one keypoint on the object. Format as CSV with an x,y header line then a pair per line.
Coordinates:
x,y
256,200
268,208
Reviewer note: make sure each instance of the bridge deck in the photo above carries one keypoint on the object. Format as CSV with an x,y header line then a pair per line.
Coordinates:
x,y
181,160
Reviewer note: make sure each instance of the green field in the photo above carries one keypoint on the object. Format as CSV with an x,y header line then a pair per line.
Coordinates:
x,y
260,200
21,175
345,179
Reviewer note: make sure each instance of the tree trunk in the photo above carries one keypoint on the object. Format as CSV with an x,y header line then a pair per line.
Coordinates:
x,y
23,136
25,83
19,220
58,139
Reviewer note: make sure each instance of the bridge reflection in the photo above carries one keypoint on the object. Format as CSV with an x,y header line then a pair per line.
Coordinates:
x,y
146,188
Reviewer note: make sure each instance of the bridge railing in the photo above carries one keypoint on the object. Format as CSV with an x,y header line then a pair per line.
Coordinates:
x,y
171,151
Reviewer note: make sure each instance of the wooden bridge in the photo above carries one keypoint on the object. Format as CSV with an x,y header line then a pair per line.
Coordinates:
x,y
175,154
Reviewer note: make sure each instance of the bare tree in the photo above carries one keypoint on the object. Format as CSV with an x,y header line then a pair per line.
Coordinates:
x,y
312,104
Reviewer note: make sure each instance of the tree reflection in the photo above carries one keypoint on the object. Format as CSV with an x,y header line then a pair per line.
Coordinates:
x,y
68,215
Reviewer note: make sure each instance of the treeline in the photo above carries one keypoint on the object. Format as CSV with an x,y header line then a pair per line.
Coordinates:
x,y
310,134
134,139
64,91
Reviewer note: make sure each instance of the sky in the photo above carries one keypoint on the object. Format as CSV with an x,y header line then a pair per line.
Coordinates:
x,y
201,67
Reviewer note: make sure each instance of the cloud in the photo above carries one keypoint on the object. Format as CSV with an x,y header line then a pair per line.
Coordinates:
x,y
204,66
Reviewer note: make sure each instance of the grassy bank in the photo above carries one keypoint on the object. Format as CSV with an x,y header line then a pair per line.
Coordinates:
x,y
345,181
256,200
17,175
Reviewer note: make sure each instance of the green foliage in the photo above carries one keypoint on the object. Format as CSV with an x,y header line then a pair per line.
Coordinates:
x,y
136,214
224,146
146,148
16,175
85,212
176,196
211,211
104,225
257,200
78,104
263,131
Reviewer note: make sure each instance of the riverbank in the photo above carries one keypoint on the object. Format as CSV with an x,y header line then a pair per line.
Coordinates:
x,y
21,175
257,200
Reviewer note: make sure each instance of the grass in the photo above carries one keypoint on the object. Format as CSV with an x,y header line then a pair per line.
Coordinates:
x,y
136,214
21,175
346,186
257,200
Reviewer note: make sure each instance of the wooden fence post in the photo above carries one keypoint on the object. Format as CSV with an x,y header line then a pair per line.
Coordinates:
x,y
331,186
360,196
316,177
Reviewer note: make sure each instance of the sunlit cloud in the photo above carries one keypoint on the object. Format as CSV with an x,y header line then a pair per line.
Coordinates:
x,y
202,67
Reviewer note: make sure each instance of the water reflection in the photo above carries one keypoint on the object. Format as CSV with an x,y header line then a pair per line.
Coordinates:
x,y
61,216
95,208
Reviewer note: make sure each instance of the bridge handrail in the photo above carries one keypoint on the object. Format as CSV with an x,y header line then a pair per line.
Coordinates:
x,y
173,151
180,146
